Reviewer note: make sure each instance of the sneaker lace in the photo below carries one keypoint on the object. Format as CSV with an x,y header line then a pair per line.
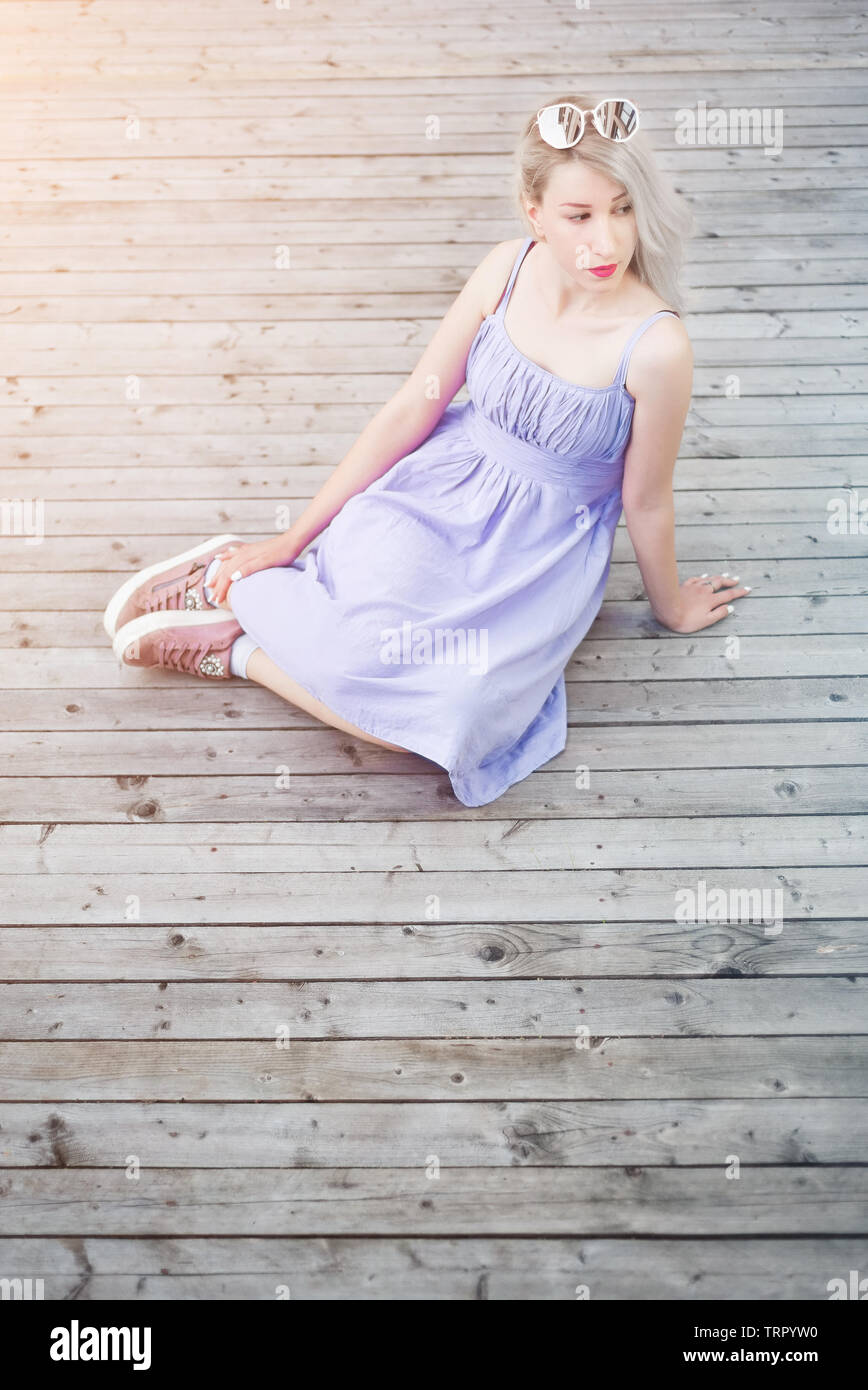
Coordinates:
x,y
170,596
182,656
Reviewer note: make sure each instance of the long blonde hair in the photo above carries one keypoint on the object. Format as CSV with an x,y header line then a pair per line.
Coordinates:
x,y
664,220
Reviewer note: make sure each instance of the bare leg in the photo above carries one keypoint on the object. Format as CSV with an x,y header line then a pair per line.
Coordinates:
x,y
264,671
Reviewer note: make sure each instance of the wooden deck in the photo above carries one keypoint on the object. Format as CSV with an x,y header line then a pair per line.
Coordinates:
x,y
346,1035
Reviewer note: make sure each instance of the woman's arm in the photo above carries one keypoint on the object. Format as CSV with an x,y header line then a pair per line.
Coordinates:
x,y
661,380
398,427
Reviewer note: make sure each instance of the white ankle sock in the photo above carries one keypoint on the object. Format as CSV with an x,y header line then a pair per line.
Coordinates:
x,y
240,654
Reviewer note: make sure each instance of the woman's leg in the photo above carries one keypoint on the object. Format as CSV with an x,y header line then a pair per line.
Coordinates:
x,y
264,671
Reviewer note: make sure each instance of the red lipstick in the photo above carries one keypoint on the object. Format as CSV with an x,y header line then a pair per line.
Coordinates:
x,y
603,271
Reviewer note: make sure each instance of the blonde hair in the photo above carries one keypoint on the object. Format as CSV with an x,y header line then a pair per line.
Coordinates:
x,y
664,220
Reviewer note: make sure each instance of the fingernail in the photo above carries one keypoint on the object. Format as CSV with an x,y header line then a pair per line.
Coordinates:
x,y
735,579
235,575
747,588
725,574
704,576
729,608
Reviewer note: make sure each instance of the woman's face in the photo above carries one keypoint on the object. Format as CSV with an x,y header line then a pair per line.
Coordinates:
x,y
588,222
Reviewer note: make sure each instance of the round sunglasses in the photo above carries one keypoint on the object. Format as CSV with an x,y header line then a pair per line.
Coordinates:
x,y
563,126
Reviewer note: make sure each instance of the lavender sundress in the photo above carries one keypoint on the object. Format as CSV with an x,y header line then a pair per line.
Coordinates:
x,y
439,608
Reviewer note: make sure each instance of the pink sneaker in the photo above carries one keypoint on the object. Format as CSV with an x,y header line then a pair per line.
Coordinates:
x,y
173,585
195,643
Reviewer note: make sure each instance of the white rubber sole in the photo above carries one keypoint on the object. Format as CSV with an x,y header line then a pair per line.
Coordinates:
x,y
129,586
149,622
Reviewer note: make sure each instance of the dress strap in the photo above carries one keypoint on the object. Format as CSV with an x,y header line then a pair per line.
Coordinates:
x,y
504,299
621,373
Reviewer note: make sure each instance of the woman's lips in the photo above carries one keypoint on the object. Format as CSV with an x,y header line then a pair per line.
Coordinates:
x,y
603,270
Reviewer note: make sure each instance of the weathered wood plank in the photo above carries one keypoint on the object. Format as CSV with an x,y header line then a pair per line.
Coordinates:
x,y
304,1009
436,950
122,15
326,752
190,48
413,1069
804,1200
382,1133
425,793
543,895
420,846
366,24
365,1267
267,165
487,94
430,65
191,704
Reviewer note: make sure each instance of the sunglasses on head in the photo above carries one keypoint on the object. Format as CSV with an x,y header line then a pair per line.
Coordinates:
x,y
563,125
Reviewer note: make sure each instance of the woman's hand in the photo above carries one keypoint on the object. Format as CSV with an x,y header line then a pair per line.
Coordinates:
x,y
247,559
704,599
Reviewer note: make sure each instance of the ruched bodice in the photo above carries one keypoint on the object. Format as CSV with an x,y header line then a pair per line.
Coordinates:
x,y
580,424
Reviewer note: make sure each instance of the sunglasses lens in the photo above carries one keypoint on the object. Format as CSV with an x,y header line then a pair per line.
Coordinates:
x,y
560,126
617,119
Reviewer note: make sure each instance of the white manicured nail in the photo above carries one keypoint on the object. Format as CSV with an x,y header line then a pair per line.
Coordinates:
x,y
729,608
735,579
725,574
747,588
236,575
704,576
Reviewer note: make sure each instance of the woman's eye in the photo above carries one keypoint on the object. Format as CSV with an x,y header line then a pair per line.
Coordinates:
x,y
580,217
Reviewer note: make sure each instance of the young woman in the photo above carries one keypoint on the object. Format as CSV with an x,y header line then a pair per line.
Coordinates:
x,y
461,551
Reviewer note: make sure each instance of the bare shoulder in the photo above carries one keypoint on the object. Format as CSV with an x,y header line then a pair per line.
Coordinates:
x,y
493,271
661,365
664,348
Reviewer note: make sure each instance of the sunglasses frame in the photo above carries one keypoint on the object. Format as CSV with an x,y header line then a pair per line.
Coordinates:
x,y
592,112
